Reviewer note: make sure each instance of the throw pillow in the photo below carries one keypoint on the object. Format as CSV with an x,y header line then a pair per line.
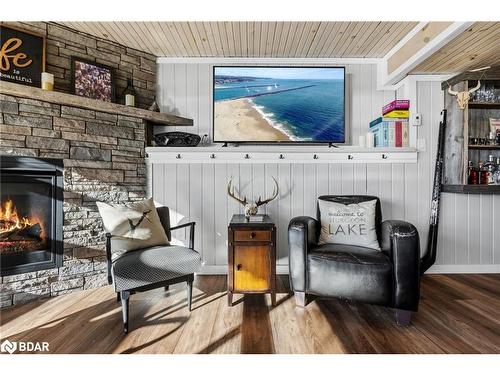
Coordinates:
x,y
351,224
133,226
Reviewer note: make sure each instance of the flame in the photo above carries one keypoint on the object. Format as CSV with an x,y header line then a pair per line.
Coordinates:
x,y
10,220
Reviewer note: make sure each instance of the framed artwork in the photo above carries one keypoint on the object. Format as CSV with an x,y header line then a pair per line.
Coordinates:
x,y
92,80
22,56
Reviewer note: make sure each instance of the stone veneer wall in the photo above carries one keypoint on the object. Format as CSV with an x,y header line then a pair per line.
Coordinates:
x,y
104,160
62,43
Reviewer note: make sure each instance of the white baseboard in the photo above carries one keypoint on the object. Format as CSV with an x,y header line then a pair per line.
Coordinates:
x,y
464,268
436,269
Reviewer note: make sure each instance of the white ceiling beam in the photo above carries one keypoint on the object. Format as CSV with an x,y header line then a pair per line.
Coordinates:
x,y
385,79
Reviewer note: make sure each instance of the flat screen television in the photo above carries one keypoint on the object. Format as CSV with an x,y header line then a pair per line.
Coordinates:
x,y
278,104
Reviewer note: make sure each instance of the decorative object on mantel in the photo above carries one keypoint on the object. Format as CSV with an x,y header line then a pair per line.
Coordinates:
x,y
205,140
47,81
22,56
128,94
463,97
154,106
92,80
252,208
177,139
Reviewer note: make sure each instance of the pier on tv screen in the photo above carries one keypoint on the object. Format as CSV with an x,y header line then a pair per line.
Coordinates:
x,y
279,104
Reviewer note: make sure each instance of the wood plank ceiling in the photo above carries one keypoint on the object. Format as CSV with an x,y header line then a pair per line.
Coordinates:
x,y
476,47
253,39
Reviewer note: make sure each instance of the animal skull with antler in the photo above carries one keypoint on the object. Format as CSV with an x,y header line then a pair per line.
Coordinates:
x,y
251,208
463,97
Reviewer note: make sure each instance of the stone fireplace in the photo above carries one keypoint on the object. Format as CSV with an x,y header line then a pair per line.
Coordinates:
x,y
31,214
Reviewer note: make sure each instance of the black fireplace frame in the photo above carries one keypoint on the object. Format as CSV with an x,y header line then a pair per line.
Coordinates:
x,y
54,168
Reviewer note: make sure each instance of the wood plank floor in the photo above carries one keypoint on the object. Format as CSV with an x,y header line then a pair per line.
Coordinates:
x,y
458,314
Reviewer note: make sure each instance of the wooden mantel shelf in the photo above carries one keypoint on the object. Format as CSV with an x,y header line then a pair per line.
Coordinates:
x,y
15,89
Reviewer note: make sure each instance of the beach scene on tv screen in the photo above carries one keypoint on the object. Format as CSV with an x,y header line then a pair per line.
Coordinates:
x,y
278,104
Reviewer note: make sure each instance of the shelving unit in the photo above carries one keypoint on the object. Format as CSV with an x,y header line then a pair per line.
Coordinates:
x,y
279,154
471,122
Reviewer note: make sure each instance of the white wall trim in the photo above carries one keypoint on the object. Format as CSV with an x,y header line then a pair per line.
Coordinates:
x,y
405,39
267,60
436,269
464,268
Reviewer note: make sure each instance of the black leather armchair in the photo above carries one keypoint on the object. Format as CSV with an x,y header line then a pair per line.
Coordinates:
x,y
390,277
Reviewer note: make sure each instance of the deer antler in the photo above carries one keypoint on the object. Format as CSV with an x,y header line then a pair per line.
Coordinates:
x,y
260,202
451,92
230,192
475,88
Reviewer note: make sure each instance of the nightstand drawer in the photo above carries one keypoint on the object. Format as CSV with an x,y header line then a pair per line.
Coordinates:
x,y
252,235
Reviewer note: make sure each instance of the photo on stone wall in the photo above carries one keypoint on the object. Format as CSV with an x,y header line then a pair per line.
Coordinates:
x,y
92,80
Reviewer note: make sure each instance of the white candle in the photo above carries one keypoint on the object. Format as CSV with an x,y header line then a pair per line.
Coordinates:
x,y
361,141
130,100
370,140
47,81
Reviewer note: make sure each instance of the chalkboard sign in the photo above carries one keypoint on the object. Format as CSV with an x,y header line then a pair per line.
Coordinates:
x,y
22,56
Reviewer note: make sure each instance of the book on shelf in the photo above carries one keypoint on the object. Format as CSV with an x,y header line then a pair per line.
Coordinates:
x,y
398,114
396,105
391,133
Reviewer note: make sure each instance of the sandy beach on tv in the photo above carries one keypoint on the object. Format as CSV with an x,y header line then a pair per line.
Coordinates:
x,y
238,120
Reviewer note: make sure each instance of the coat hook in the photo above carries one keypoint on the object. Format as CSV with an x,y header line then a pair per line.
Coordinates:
x,y
384,156
350,157
178,156
315,156
282,156
212,156
247,156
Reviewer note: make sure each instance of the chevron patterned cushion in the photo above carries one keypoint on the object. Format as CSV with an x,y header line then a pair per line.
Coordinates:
x,y
143,267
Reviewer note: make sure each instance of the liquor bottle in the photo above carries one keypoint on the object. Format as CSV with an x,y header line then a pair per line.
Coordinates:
x,y
472,178
483,174
490,168
129,93
496,175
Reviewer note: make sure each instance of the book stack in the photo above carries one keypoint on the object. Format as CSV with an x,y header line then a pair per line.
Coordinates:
x,y
392,128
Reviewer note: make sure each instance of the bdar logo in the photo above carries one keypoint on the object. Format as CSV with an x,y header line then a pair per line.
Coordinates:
x,y
8,346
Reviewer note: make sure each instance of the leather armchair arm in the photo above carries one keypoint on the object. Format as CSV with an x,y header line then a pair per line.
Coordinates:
x,y
400,241
303,233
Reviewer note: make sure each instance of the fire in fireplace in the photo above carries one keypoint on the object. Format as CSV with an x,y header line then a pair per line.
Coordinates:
x,y
31,202
18,232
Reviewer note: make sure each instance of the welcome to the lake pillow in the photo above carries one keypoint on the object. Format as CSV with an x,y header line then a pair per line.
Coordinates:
x,y
349,224
133,226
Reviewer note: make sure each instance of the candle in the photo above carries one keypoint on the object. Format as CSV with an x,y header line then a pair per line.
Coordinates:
x,y
370,140
361,141
47,81
130,100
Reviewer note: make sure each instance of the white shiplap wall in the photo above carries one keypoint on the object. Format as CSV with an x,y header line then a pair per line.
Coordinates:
x,y
197,192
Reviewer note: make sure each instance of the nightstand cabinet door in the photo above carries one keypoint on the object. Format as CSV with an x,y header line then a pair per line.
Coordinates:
x,y
252,268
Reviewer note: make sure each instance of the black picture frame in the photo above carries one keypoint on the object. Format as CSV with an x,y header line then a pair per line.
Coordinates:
x,y
31,47
92,95
346,125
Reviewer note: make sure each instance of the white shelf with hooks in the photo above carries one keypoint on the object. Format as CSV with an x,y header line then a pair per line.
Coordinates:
x,y
279,154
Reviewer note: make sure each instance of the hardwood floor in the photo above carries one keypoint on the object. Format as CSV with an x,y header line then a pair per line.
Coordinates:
x,y
458,314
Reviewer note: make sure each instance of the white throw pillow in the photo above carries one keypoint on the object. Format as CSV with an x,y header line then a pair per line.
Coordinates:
x,y
349,224
133,226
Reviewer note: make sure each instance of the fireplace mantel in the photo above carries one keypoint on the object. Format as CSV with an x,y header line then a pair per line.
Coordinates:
x,y
23,91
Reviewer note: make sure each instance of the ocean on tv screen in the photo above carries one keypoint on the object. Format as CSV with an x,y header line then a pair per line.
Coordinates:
x,y
278,104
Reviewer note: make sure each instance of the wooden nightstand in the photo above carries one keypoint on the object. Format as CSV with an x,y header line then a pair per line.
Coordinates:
x,y
251,257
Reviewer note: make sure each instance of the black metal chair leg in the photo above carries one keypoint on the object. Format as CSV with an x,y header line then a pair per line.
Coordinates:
x,y
125,298
403,317
118,297
167,287
190,293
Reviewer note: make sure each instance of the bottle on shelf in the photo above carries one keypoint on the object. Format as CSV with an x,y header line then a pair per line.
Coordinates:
x,y
483,174
472,176
490,168
496,175
129,94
